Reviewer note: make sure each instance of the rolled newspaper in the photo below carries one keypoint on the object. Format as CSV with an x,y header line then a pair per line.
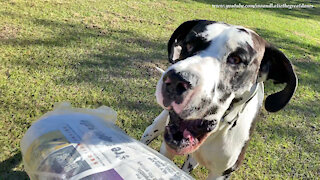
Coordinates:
x,y
74,143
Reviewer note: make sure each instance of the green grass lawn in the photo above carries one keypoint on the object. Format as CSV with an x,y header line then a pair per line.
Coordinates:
x,y
103,52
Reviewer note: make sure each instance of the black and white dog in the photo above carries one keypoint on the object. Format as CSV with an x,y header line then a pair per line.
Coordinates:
x,y
213,92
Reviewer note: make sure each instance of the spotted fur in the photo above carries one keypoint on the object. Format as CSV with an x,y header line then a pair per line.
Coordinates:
x,y
220,69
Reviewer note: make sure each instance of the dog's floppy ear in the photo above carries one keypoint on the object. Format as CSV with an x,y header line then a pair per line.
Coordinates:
x,y
276,66
177,38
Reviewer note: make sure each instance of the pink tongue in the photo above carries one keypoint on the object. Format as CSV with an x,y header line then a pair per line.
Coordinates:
x,y
188,135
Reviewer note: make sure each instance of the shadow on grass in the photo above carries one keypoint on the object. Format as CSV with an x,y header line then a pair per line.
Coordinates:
x,y
306,13
68,33
299,136
6,168
126,48
308,73
293,46
124,58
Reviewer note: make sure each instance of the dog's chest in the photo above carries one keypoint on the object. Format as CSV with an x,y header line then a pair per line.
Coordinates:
x,y
221,150
213,156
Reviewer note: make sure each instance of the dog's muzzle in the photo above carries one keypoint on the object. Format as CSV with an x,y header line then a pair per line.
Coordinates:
x,y
185,136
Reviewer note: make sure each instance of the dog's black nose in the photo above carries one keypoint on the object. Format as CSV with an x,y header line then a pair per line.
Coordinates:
x,y
175,84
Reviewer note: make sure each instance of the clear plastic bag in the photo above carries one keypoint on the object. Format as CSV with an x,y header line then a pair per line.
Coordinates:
x,y
73,143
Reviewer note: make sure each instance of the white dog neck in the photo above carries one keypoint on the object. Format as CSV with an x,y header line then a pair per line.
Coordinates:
x,y
236,108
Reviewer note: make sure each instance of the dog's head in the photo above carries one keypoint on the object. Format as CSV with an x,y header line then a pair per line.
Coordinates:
x,y
214,65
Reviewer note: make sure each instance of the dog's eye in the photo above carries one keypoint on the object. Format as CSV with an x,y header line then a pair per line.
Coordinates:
x,y
234,60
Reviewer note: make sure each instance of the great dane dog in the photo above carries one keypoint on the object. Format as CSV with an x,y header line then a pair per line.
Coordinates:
x,y
212,93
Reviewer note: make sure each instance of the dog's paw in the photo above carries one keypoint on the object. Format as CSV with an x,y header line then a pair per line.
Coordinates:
x,y
145,139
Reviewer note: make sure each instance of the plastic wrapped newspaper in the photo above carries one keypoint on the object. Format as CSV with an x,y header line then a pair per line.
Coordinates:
x,y
70,143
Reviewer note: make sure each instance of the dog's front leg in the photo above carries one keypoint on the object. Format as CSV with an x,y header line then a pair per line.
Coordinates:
x,y
189,164
156,128
165,152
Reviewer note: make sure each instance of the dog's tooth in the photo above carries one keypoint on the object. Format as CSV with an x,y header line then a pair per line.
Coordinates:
x,y
195,142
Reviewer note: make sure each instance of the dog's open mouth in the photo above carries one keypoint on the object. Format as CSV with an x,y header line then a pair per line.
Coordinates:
x,y
185,136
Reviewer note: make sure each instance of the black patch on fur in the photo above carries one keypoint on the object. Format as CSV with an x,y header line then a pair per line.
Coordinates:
x,y
245,52
227,173
236,100
187,33
190,167
155,130
148,141
229,108
255,61
243,30
239,79
234,124
224,97
213,90
221,86
226,177
212,110
189,111
204,102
